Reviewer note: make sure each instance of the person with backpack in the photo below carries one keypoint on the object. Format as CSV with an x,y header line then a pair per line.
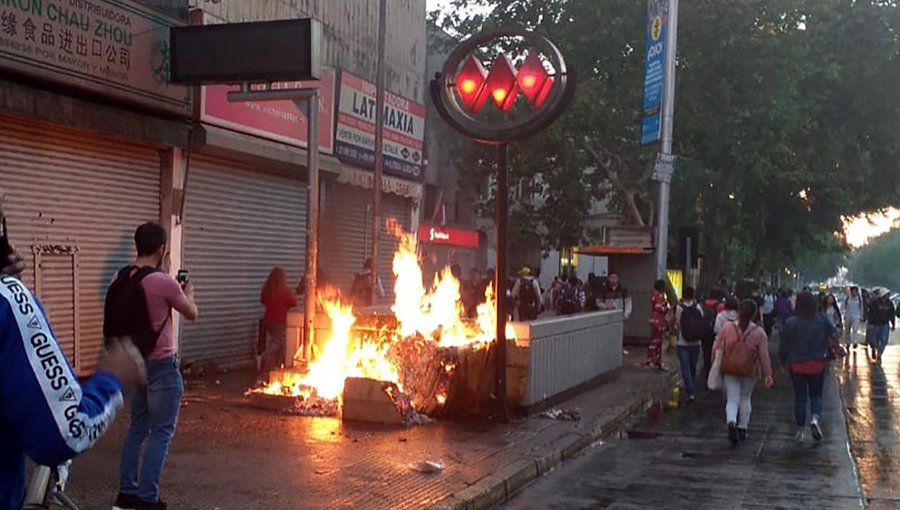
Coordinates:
x,y
711,308
139,305
804,349
692,329
527,294
47,414
744,348
365,286
571,298
882,319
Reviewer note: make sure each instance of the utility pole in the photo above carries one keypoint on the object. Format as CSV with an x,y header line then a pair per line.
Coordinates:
x,y
379,137
666,158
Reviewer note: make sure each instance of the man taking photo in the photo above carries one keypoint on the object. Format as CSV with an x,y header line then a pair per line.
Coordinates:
x,y
45,414
154,408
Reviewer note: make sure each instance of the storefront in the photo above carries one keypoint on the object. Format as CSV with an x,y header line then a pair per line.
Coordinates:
x,y
80,175
347,217
245,211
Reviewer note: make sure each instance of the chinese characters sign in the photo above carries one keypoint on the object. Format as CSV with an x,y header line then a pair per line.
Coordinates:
x,y
404,129
113,47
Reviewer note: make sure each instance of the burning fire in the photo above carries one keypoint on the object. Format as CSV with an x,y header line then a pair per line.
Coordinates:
x,y
434,314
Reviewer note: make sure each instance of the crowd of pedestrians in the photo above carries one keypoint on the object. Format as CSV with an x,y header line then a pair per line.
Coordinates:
x,y
732,334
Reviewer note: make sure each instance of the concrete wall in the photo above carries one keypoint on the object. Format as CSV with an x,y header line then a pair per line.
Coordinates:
x,y
350,29
637,274
565,352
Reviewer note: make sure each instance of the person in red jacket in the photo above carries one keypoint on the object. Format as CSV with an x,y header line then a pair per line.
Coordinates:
x,y
277,298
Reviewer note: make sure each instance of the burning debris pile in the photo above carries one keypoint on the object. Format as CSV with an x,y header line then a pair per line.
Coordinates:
x,y
426,358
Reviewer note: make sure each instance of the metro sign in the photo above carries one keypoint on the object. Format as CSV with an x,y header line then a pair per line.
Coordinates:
x,y
503,84
434,234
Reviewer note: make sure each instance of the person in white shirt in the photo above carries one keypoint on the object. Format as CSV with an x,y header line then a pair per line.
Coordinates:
x,y
729,314
853,316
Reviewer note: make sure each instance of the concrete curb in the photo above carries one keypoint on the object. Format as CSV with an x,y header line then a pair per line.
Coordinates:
x,y
502,485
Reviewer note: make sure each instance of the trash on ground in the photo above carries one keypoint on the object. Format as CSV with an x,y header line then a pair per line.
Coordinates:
x,y
562,414
427,466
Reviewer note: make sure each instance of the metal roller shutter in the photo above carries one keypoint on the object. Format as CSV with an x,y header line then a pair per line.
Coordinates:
x,y
73,200
346,239
239,224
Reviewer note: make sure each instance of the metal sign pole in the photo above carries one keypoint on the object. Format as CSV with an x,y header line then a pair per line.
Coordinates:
x,y
312,227
502,313
668,111
379,140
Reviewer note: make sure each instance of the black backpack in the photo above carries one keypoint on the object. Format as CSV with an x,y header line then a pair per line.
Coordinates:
x,y
881,312
693,325
125,312
527,294
568,301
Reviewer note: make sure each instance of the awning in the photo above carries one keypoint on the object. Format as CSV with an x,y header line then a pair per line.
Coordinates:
x,y
612,250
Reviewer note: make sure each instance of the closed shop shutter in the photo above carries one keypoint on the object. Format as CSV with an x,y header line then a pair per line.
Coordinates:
x,y
73,200
239,222
346,237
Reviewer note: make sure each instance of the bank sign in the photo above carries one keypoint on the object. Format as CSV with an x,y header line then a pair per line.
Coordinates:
x,y
112,47
654,69
404,129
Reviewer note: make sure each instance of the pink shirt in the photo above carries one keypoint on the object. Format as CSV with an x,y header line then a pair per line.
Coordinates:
x,y
163,294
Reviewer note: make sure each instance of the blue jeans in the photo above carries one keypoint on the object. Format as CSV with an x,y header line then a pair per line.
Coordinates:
x,y
687,358
877,337
811,385
154,411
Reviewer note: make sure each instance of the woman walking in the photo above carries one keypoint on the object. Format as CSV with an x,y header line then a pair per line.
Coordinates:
x,y
804,349
659,311
745,359
833,313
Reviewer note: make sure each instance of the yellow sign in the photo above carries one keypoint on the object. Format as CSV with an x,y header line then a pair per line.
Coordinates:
x,y
676,278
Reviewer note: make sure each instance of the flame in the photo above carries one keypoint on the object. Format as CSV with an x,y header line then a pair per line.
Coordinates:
x,y
435,314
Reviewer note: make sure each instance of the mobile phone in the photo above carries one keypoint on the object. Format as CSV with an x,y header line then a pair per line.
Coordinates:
x,y
183,276
5,247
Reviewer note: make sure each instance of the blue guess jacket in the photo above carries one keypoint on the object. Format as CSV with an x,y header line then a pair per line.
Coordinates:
x,y
44,413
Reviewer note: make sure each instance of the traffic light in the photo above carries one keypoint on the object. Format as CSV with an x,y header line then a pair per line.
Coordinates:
x,y
470,83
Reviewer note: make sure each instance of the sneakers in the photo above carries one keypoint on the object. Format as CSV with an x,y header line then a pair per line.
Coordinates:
x,y
799,435
126,502
742,434
815,428
732,432
130,502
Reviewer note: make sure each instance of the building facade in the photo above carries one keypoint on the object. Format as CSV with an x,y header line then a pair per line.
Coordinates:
x,y
98,141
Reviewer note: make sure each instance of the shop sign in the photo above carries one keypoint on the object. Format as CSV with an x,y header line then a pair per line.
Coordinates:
x,y
404,129
357,177
116,48
433,234
281,121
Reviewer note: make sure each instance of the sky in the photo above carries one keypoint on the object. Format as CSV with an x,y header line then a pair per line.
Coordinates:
x,y
861,229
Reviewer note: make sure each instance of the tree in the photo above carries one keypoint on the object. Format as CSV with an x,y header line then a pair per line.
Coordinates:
x,y
785,121
876,263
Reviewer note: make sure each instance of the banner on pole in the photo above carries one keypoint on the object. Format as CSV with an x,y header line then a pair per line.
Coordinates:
x,y
654,69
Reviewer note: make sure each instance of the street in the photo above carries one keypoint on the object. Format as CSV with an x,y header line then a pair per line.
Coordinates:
x,y
682,458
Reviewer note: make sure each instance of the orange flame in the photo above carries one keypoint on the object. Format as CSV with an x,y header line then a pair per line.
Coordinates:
x,y
435,314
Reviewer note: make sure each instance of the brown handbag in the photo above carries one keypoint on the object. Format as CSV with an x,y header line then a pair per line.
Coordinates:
x,y
739,357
